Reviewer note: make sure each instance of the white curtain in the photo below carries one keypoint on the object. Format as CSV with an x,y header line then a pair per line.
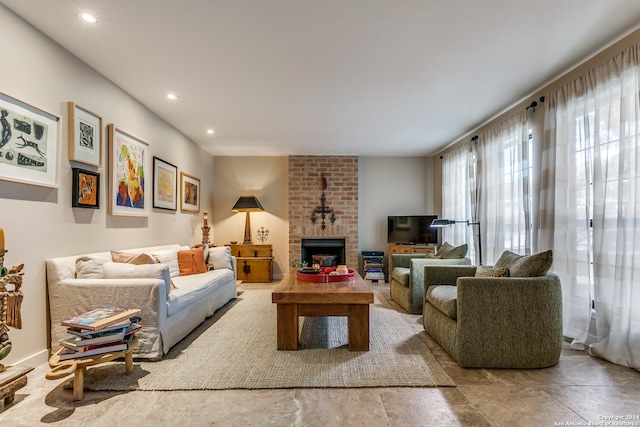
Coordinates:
x,y
458,184
591,135
503,181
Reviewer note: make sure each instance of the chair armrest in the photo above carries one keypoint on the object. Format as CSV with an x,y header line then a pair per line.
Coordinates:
x,y
446,274
403,260
520,317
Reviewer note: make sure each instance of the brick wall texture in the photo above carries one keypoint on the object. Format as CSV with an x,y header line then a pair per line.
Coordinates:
x,y
305,191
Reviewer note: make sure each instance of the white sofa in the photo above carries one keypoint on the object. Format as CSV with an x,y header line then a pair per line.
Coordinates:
x,y
171,305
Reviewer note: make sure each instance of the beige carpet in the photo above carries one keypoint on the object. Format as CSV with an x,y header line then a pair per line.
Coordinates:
x,y
236,349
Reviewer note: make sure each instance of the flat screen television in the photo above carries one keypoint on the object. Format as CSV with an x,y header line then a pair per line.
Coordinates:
x,y
412,229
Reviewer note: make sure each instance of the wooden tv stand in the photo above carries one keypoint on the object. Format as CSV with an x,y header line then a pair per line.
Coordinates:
x,y
409,249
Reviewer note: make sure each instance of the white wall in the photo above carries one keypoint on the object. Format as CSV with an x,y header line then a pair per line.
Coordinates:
x,y
39,222
391,186
267,179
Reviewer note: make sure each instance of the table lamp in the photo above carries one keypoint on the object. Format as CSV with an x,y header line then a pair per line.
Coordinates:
x,y
247,204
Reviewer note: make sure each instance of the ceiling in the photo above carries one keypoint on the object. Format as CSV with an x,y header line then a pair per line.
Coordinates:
x,y
331,77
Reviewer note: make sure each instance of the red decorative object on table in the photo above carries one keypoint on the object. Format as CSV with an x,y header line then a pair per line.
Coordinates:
x,y
325,277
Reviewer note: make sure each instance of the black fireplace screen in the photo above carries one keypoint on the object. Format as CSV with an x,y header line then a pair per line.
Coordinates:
x,y
327,252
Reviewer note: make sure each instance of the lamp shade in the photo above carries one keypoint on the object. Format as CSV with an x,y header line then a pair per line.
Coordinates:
x,y
247,204
438,223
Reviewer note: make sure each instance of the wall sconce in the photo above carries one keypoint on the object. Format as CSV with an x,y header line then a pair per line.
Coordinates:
x,y
247,204
439,223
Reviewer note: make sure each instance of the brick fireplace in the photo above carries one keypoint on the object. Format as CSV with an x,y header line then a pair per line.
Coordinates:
x,y
305,191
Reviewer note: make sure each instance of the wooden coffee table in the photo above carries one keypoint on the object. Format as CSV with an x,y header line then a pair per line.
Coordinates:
x,y
296,298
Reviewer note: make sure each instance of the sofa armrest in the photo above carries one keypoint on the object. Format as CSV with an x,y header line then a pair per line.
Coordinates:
x,y
76,296
518,317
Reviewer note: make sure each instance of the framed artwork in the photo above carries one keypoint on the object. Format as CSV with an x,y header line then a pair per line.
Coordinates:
x,y
85,136
28,143
86,189
165,185
189,193
129,168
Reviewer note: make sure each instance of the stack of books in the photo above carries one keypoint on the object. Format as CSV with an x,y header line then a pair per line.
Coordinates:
x,y
104,330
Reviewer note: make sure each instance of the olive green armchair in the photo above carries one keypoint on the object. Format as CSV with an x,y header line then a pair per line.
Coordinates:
x,y
406,280
495,322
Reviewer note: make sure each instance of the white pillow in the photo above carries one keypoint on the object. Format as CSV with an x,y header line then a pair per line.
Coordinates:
x,y
220,257
170,257
120,270
90,266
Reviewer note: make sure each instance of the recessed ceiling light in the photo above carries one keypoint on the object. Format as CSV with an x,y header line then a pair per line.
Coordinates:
x,y
172,96
88,18
210,131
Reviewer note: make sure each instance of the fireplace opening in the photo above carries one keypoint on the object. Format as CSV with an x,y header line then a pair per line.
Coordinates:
x,y
327,252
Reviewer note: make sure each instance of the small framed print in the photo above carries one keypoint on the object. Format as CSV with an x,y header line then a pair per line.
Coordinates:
x,y
86,189
85,136
165,185
129,169
189,193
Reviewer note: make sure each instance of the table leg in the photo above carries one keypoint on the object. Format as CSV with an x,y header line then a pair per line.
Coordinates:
x,y
287,327
78,383
359,327
128,361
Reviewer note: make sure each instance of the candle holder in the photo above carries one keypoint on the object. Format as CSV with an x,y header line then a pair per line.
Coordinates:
x,y
205,230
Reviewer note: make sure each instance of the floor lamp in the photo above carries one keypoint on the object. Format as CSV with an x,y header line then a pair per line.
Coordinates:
x,y
439,223
247,204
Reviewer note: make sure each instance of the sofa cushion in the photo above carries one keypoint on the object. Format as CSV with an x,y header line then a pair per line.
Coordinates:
x,y
448,251
401,275
121,270
132,258
525,265
444,298
194,287
220,257
90,266
484,271
170,257
191,262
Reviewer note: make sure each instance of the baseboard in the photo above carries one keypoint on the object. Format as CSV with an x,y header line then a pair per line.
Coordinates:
x,y
35,359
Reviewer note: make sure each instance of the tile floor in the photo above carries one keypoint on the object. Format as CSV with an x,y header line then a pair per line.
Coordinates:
x,y
580,390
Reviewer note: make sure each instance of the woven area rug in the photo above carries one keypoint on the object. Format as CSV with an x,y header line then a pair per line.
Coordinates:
x,y
236,349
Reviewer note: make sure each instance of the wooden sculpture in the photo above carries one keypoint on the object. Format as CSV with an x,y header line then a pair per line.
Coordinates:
x,y
10,301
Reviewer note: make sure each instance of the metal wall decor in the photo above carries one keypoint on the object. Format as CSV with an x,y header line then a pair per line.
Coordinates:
x,y
323,210
262,234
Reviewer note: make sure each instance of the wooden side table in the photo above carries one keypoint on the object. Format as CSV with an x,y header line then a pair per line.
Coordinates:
x,y
255,262
78,367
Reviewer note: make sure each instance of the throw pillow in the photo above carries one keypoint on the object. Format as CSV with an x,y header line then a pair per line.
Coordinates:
x,y
220,257
484,271
121,270
448,251
170,257
443,248
526,265
90,267
132,258
191,262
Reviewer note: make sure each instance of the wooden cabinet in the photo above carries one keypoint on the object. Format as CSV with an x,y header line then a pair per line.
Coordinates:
x,y
255,262
409,249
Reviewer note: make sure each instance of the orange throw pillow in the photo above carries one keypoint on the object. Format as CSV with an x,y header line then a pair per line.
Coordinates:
x,y
191,262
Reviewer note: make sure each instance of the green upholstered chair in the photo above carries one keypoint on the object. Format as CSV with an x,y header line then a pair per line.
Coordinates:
x,y
406,277
495,322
